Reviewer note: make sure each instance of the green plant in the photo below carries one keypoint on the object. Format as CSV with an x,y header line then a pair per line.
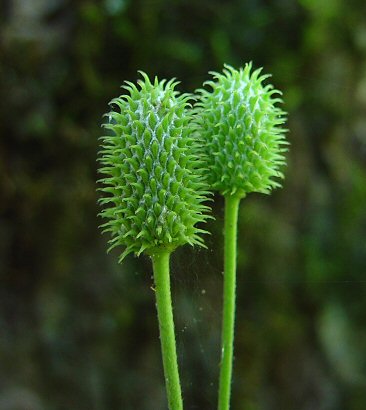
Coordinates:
x,y
240,123
154,190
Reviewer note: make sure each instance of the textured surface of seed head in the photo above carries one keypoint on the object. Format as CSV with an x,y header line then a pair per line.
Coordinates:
x,y
152,185
241,125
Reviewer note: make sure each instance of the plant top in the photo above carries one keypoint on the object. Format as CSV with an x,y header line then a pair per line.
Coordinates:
x,y
152,169
241,126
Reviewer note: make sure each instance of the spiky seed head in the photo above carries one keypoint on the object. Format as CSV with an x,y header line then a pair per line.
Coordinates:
x,y
241,126
153,192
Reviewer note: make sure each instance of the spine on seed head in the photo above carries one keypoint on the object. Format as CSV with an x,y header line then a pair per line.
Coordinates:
x,y
153,188
241,125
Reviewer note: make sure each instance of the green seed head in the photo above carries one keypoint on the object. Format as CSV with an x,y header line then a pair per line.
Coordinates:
x,y
241,127
150,161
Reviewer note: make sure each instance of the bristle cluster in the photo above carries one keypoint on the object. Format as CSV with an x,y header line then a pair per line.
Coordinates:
x,y
241,125
154,191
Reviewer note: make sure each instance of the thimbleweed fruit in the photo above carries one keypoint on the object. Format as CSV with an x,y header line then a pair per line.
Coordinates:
x,y
154,191
240,124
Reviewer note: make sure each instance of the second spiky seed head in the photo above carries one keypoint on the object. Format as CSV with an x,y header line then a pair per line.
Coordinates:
x,y
241,126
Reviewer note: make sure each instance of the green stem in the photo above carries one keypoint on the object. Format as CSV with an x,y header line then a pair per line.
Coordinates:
x,y
166,325
227,336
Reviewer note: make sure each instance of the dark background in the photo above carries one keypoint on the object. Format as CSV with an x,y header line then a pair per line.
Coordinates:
x,y
77,330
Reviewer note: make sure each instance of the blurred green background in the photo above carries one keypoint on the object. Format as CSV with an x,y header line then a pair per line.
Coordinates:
x,y
77,330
